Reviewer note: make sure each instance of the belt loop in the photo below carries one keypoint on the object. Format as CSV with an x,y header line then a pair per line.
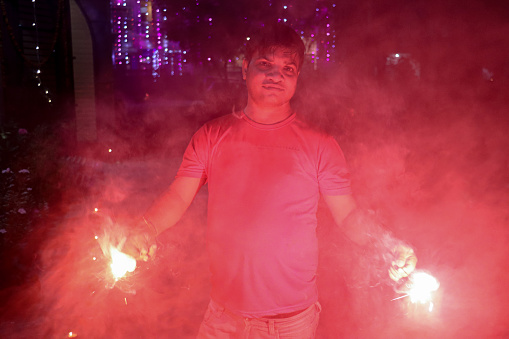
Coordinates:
x,y
247,328
218,308
272,329
318,306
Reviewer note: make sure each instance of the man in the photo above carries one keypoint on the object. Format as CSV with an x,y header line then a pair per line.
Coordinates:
x,y
266,170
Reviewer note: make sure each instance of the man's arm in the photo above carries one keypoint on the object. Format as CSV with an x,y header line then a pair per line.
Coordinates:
x,y
167,210
341,207
361,227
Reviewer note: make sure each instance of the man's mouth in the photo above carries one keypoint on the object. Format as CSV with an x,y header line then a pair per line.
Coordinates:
x,y
273,87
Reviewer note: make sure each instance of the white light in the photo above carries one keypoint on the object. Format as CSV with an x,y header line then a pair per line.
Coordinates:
x,y
396,55
121,263
423,284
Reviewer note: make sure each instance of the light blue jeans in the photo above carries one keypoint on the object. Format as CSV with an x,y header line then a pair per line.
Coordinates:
x,y
220,323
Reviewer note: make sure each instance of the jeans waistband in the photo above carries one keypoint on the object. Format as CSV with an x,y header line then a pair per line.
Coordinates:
x,y
276,320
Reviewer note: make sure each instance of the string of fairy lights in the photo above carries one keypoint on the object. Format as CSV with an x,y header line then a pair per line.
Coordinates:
x,y
321,39
39,62
141,42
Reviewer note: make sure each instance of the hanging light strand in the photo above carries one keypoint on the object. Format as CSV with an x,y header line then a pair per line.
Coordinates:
x,y
18,48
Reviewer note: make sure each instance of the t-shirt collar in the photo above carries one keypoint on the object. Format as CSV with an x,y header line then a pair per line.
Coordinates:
x,y
242,115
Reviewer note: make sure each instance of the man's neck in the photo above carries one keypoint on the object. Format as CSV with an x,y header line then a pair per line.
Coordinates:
x,y
268,115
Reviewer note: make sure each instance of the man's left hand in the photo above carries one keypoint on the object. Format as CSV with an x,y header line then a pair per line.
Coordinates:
x,y
404,262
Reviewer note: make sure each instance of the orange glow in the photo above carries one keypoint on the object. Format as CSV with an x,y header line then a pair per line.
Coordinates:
x,y
121,263
72,335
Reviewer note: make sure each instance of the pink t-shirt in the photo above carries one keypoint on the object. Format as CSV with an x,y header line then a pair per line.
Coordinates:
x,y
264,185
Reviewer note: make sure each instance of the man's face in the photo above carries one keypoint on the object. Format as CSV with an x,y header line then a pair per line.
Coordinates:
x,y
271,77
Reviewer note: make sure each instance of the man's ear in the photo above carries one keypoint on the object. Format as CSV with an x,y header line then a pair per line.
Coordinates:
x,y
245,64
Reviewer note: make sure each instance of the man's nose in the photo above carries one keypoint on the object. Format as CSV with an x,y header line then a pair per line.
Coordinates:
x,y
275,73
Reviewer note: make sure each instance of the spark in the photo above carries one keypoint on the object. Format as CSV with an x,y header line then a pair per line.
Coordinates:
x,y
96,237
72,335
401,297
121,263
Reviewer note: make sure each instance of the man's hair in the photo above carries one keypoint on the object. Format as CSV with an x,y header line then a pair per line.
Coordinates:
x,y
273,36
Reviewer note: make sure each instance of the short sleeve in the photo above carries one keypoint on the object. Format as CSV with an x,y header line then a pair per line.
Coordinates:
x,y
194,162
333,174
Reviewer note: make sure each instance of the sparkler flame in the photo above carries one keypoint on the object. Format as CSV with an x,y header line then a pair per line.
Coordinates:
x,y
422,287
121,263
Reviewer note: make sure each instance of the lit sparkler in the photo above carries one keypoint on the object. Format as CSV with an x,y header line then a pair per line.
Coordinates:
x,y
121,263
419,287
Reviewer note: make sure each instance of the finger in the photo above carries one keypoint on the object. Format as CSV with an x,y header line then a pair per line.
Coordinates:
x,y
398,263
393,274
396,273
144,254
152,251
410,266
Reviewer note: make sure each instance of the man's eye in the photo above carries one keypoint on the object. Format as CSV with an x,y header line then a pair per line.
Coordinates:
x,y
264,64
290,69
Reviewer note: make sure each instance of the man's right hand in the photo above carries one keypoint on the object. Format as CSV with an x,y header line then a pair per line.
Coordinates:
x,y
141,241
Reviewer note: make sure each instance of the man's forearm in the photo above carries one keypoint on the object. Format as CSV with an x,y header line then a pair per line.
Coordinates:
x,y
360,226
167,210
